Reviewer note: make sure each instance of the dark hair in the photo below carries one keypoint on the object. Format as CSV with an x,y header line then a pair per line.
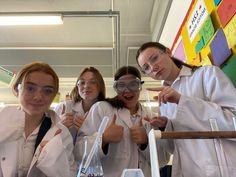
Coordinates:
x,y
124,70
163,48
101,85
34,67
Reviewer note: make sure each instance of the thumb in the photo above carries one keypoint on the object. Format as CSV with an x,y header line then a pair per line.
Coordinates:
x,y
141,122
57,132
63,109
113,119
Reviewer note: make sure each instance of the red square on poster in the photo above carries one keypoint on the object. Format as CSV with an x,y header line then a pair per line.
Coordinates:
x,y
226,10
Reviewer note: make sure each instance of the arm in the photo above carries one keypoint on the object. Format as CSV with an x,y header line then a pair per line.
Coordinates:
x,y
56,157
12,123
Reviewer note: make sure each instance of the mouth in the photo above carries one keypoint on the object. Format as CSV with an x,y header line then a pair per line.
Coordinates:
x,y
128,97
159,73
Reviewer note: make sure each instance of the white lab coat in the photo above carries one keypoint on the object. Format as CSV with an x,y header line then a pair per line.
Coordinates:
x,y
122,155
203,94
56,158
71,107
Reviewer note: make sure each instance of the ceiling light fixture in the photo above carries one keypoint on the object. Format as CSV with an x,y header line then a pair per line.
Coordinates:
x,y
10,20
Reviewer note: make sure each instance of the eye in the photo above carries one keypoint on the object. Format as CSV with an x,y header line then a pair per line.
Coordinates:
x,y
145,67
154,59
81,82
93,82
30,88
48,91
120,85
134,85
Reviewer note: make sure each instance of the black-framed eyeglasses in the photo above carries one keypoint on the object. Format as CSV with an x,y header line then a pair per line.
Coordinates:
x,y
133,85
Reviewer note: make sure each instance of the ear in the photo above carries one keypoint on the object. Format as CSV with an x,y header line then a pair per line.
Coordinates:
x,y
168,52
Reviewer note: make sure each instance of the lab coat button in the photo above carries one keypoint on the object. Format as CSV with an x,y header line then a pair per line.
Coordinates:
x,y
3,158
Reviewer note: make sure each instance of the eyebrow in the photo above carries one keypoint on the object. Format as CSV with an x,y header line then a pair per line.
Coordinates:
x,y
31,83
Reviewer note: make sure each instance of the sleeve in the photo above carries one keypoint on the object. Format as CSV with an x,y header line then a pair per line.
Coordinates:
x,y
194,113
58,108
12,123
56,158
89,130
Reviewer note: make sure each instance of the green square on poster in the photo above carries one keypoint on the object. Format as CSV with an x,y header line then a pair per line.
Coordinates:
x,y
229,69
207,31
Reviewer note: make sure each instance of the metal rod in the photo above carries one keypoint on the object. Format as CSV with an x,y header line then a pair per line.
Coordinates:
x,y
195,134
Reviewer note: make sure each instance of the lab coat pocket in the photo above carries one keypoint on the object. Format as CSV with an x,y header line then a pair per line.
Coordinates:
x,y
9,159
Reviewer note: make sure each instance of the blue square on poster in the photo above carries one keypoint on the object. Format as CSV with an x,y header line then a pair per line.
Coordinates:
x,y
216,2
219,48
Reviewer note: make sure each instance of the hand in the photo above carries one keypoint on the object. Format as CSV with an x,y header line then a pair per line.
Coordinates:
x,y
67,118
158,122
79,120
113,133
167,94
43,143
138,134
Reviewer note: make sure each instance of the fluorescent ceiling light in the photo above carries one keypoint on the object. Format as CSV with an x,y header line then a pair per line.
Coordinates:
x,y
6,20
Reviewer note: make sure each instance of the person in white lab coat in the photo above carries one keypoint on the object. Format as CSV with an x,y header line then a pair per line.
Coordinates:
x,y
89,88
191,98
125,141
33,142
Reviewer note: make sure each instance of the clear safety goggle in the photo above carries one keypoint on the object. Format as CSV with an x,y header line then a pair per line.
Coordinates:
x,y
31,89
133,85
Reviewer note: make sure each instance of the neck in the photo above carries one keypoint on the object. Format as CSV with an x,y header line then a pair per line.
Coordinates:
x,y
174,74
31,123
87,104
133,110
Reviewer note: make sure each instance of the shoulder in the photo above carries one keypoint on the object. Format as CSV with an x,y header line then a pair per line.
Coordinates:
x,y
101,104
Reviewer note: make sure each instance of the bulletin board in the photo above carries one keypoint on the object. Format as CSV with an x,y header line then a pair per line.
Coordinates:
x,y
208,35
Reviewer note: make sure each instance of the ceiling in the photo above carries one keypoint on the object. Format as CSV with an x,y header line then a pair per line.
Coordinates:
x,y
100,33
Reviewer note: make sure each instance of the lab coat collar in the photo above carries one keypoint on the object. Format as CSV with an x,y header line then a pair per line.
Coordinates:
x,y
125,116
185,71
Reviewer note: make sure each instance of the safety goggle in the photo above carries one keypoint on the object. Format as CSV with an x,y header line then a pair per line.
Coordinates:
x,y
32,89
133,85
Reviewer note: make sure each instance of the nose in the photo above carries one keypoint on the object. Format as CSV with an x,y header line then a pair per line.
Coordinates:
x,y
38,94
154,67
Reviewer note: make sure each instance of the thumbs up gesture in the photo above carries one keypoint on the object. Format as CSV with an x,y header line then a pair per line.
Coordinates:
x,y
138,133
113,133
67,118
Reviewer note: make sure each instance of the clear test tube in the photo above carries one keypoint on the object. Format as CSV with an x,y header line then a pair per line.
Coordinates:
x,y
223,167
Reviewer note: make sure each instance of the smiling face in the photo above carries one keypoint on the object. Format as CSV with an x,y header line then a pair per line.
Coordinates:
x,y
156,63
36,93
88,87
129,97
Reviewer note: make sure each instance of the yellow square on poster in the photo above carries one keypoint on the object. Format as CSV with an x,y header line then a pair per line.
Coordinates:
x,y
206,61
230,32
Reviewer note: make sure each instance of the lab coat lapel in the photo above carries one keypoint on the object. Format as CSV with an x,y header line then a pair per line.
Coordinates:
x,y
49,135
124,116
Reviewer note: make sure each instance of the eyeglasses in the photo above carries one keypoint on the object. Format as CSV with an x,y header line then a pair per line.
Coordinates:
x,y
31,89
132,85
82,83
146,68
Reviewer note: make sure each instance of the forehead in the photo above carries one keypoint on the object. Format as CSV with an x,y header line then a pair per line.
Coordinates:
x,y
88,75
127,77
40,78
147,53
